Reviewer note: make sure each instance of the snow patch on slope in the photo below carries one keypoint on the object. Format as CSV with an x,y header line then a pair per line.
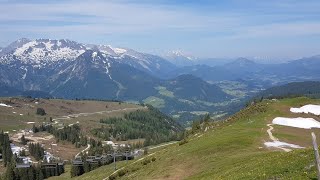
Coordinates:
x,y
279,144
305,123
119,50
4,105
181,54
25,74
314,109
94,54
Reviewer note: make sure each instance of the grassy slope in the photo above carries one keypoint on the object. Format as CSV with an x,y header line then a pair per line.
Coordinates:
x,y
99,173
231,150
57,108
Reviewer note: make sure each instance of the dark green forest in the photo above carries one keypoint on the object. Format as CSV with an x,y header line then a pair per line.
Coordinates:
x,y
290,90
5,148
36,150
68,133
152,125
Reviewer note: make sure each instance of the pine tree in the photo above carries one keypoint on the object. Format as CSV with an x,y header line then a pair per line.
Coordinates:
x,y
73,171
86,167
10,172
23,153
41,176
31,173
23,140
41,112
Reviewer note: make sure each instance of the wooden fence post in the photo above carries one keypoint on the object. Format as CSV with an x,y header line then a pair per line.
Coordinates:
x,y
316,153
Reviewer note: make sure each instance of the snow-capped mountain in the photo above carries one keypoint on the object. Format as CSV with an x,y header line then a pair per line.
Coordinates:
x,y
46,52
179,58
96,75
152,64
11,47
107,49
43,51
56,65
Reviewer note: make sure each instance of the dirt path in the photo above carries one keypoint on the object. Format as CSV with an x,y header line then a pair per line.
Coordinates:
x,y
278,144
86,149
87,114
167,144
270,133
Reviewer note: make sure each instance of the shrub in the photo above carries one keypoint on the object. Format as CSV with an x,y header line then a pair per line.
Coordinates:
x,y
146,161
153,159
182,142
113,177
145,151
122,172
41,112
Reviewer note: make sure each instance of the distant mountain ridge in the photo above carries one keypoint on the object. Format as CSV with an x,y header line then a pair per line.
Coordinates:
x,y
67,69
180,59
43,51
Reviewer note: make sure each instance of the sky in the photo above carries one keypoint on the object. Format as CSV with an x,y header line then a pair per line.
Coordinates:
x,y
260,29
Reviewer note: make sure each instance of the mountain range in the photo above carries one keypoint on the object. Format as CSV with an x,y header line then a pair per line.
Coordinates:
x,y
68,69
179,85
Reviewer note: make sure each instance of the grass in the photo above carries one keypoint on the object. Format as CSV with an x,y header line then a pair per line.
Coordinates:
x,y
233,149
56,108
233,88
199,113
155,101
163,91
99,173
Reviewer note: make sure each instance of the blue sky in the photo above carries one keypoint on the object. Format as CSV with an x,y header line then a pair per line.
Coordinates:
x,y
272,29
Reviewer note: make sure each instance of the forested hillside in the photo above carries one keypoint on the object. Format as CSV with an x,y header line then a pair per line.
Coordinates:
x,y
307,88
152,125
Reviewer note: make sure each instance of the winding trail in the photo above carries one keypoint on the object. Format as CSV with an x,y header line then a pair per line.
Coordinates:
x,y
86,149
270,133
167,144
278,144
274,139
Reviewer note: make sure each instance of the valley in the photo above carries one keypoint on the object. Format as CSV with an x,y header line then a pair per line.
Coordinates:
x,y
69,70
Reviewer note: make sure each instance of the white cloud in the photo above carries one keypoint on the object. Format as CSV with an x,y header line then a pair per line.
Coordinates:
x,y
113,15
246,19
